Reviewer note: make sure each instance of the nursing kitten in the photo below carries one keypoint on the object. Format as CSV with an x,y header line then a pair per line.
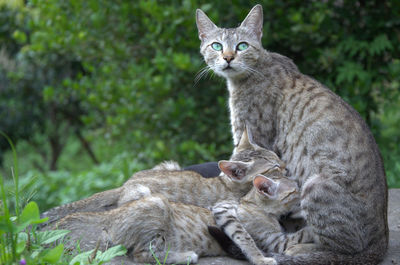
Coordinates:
x,y
264,221
176,228
325,143
183,186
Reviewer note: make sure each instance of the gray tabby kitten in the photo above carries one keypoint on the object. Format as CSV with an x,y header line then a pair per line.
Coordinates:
x,y
176,228
183,186
325,143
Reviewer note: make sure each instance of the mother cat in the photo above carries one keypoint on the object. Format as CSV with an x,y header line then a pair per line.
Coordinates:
x,y
327,146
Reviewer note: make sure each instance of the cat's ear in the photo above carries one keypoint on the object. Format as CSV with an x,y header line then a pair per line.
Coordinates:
x,y
254,21
235,170
204,24
265,186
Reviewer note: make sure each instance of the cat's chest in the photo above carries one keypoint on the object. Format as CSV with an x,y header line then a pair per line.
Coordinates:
x,y
252,108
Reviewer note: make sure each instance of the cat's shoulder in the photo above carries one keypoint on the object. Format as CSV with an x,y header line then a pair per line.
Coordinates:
x,y
286,62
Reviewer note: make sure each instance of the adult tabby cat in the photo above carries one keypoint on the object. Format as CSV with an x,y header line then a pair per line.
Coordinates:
x,y
183,186
181,228
325,143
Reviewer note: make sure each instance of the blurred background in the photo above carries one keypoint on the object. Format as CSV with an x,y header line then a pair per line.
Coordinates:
x,y
93,91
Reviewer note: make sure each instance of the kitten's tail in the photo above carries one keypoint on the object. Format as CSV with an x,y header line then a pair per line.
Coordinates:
x,y
371,256
98,202
168,165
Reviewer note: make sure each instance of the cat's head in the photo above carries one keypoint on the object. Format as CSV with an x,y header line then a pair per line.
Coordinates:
x,y
250,160
280,194
232,52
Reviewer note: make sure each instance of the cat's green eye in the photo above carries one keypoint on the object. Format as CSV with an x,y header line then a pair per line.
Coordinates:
x,y
242,46
216,46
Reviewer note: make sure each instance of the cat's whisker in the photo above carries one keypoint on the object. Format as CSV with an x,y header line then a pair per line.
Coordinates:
x,y
203,72
250,70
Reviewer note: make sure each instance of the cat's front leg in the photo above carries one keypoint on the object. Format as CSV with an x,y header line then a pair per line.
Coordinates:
x,y
224,211
225,214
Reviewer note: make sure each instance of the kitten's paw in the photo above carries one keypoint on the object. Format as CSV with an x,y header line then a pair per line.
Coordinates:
x,y
224,206
224,211
182,257
192,257
267,261
299,249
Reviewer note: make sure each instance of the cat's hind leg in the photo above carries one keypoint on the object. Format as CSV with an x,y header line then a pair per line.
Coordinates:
x,y
187,257
133,192
99,202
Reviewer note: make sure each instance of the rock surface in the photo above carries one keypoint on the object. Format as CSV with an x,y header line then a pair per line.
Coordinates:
x,y
392,256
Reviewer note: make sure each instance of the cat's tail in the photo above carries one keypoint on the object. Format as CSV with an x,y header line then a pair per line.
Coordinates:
x,y
98,202
371,256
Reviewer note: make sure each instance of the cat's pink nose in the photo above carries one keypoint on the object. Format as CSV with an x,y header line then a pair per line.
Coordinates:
x,y
228,58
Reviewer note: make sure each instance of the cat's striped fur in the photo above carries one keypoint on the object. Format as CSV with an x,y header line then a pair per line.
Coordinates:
x,y
327,146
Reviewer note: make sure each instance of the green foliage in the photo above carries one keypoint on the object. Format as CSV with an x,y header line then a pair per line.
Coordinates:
x,y
80,185
99,258
21,243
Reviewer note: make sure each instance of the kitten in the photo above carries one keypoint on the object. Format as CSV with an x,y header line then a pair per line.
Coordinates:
x,y
180,229
264,222
183,186
325,143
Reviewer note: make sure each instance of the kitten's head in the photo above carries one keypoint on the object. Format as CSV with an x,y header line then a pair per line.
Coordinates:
x,y
233,52
250,160
282,193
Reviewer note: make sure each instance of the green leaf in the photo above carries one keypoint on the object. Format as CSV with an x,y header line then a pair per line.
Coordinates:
x,y
21,227
47,237
380,44
53,255
101,257
19,36
48,92
30,213
7,227
111,253
20,247
82,258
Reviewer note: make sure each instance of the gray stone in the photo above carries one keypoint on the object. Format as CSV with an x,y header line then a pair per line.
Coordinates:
x,y
392,256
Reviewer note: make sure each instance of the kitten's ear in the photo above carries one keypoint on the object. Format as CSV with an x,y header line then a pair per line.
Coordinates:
x,y
265,186
250,138
204,24
244,143
254,21
235,170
